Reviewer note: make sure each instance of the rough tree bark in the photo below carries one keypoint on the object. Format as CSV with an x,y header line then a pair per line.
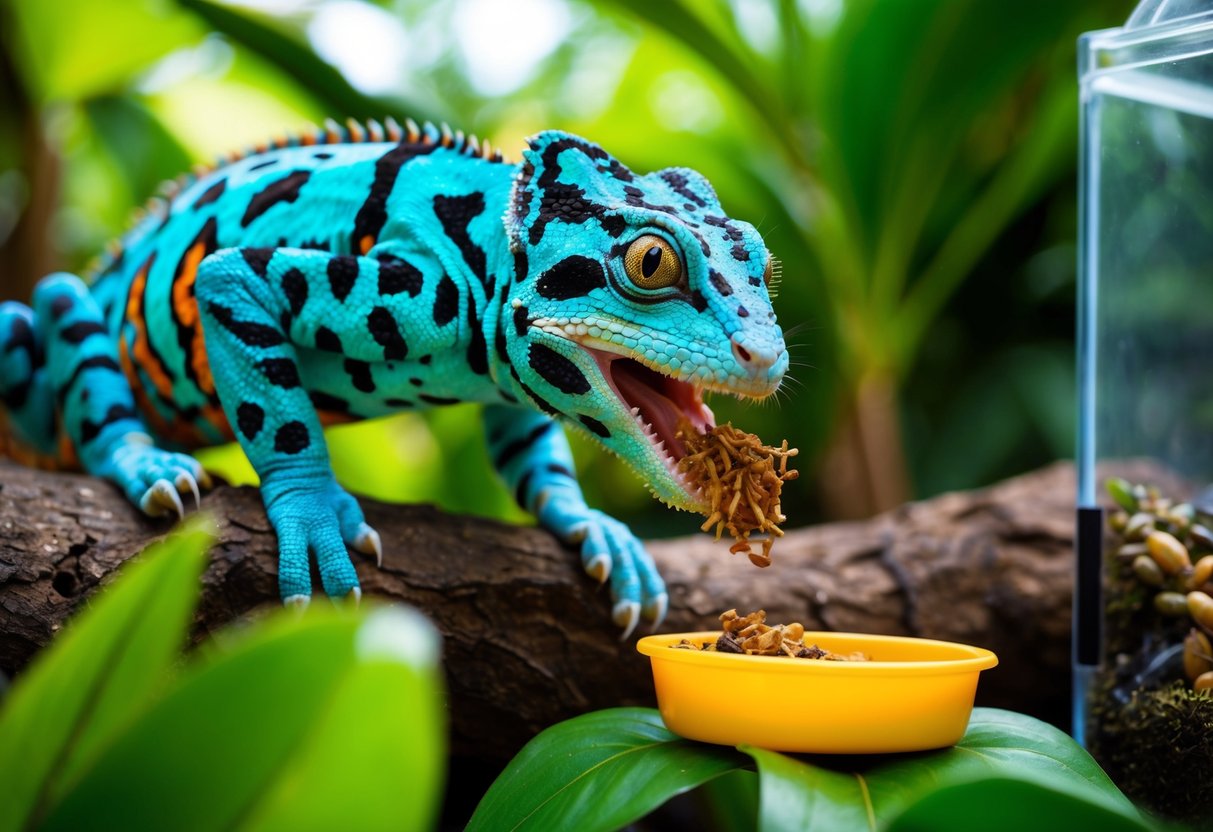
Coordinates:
x,y
528,640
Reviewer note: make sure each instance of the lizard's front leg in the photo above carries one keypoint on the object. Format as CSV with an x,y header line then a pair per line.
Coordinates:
x,y
256,306
531,453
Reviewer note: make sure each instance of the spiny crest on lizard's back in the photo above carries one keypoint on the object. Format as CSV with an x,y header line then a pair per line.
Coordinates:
x,y
330,133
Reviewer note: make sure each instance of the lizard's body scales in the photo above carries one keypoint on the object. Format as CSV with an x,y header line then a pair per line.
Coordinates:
x,y
352,273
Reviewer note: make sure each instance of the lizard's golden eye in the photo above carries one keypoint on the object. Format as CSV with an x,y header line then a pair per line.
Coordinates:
x,y
766,276
652,263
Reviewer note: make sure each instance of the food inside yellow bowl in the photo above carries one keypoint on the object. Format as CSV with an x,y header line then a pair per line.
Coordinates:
x,y
752,636
910,695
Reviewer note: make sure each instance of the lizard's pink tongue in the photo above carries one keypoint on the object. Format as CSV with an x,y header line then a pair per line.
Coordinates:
x,y
663,401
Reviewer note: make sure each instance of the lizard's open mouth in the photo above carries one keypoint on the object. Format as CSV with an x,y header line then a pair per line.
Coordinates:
x,y
659,403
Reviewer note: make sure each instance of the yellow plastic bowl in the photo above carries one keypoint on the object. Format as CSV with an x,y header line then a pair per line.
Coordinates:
x,y
915,694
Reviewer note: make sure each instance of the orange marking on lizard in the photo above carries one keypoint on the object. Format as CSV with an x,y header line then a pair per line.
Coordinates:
x,y
328,418
139,357
146,408
185,307
142,348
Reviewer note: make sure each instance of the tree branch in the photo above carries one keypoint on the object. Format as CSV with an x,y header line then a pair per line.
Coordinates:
x,y
528,638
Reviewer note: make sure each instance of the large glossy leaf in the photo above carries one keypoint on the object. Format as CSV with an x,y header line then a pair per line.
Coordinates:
x,y
599,771
97,677
373,760
796,795
1001,804
731,801
866,793
248,737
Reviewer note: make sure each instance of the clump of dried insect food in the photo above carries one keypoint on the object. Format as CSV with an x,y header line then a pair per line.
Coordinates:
x,y
743,480
750,635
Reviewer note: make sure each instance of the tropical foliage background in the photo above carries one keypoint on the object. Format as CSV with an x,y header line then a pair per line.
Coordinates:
x,y
910,161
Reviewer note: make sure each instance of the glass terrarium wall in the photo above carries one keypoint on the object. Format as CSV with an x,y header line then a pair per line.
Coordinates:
x,y
1146,405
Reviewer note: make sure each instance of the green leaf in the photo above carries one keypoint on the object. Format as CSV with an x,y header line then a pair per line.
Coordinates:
x,y
144,150
105,668
258,733
677,21
600,771
324,81
794,795
1003,804
867,792
731,801
200,758
351,771
71,49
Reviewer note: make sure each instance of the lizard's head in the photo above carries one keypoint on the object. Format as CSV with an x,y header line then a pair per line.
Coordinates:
x,y
632,296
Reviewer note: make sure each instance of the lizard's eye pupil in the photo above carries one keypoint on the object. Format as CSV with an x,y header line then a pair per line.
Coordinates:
x,y
651,262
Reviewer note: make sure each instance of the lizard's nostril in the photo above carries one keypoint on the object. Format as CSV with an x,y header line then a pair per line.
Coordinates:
x,y
742,352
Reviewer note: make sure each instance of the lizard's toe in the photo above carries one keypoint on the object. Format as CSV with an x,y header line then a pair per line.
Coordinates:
x,y
297,602
161,499
655,608
626,614
598,566
186,483
367,542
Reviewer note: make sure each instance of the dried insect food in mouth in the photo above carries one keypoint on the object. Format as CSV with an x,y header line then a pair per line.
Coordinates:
x,y
750,635
743,480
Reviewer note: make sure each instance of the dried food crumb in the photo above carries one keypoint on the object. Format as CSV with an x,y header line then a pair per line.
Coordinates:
x,y
751,635
743,480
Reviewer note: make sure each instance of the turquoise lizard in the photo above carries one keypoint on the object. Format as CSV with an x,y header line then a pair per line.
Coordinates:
x,y
361,270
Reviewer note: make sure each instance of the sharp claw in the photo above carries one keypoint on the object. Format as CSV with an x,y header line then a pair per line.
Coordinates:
x,y
160,499
185,482
578,533
204,479
599,568
368,543
626,614
355,595
297,602
656,608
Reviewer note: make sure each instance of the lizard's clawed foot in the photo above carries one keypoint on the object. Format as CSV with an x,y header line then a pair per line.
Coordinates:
x,y
155,480
610,552
322,522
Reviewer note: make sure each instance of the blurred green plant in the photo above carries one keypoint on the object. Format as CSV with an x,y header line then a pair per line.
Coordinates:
x,y
911,164
267,728
890,144
606,770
